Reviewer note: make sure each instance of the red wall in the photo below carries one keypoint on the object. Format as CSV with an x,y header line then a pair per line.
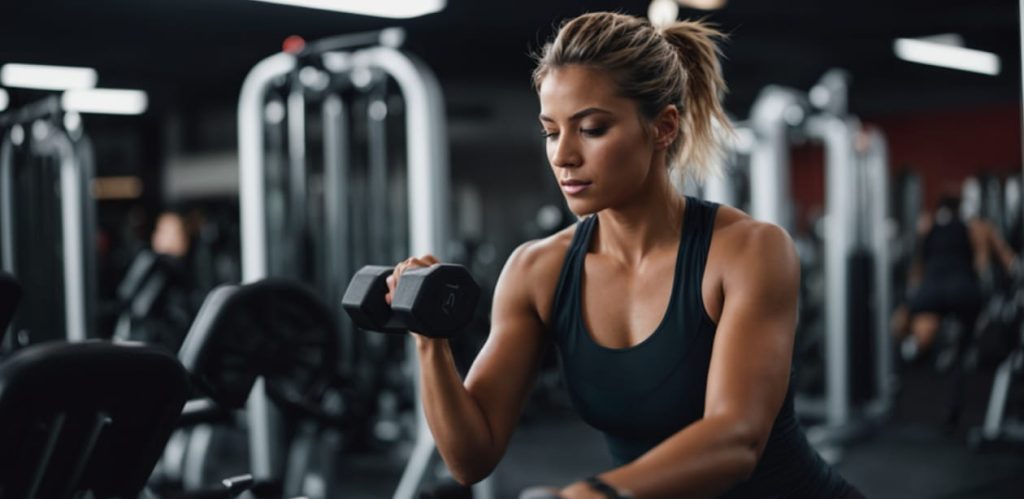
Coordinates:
x,y
942,146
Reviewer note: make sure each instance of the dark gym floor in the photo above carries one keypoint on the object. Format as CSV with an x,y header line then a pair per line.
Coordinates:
x,y
913,456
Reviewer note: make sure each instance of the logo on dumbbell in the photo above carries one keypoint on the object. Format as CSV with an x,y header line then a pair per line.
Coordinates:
x,y
448,305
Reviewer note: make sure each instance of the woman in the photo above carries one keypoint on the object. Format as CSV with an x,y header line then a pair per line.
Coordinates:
x,y
674,317
954,253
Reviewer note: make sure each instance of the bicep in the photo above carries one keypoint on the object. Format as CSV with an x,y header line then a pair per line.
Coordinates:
x,y
503,372
750,363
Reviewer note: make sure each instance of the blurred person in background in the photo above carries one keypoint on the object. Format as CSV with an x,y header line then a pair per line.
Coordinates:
x,y
950,276
159,290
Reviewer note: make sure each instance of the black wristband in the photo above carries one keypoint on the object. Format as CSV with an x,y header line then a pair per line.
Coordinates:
x,y
600,486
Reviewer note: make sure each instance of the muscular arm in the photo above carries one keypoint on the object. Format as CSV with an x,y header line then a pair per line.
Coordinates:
x,y
986,242
747,379
1001,248
472,422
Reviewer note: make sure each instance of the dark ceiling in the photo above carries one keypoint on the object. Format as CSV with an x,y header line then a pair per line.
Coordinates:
x,y
198,51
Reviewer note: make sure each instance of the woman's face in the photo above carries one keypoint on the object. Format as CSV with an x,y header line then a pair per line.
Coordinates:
x,y
597,146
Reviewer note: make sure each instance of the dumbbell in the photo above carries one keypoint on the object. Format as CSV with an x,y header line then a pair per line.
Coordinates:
x,y
436,301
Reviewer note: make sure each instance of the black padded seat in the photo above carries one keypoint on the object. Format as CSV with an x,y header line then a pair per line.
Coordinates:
x,y
10,296
91,416
275,328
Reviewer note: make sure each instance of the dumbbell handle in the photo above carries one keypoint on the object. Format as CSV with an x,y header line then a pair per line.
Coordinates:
x,y
394,325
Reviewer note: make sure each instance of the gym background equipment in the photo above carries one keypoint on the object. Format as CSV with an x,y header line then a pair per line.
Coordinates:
x,y
10,296
354,59
87,416
45,180
323,223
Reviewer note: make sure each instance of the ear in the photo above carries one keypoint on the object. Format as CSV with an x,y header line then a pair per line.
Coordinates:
x,y
666,127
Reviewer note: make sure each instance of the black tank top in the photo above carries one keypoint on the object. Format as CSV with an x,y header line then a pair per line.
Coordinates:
x,y
639,396
946,251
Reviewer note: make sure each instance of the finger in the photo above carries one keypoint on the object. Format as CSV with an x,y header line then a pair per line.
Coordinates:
x,y
407,264
392,282
418,262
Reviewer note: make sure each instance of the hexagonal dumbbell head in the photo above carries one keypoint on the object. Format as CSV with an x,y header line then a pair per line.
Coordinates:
x,y
437,301
364,298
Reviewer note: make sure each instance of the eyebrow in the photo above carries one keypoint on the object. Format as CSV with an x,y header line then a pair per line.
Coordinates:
x,y
579,114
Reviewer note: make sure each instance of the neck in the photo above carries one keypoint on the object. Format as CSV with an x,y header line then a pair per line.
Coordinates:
x,y
649,222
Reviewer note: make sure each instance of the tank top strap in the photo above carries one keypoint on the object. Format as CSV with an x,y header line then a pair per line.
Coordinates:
x,y
565,310
698,226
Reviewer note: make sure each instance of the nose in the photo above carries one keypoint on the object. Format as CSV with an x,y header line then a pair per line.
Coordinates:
x,y
565,152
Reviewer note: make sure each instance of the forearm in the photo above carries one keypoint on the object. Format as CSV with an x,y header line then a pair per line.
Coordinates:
x,y
460,429
1006,255
703,460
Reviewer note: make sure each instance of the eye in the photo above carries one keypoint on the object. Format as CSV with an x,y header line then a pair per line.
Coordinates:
x,y
595,132
548,135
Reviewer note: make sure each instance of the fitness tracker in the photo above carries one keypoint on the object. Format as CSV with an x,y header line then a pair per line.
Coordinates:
x,y
609,492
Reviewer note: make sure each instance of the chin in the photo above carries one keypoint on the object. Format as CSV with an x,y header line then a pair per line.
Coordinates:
x,y
583,207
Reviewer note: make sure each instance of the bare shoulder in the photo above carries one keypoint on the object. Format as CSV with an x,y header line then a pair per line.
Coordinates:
x,y
539,254
737,231
754,266
534,267
976,225
740,241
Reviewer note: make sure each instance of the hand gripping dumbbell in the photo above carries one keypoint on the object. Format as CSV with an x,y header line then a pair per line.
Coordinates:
x,y
436,301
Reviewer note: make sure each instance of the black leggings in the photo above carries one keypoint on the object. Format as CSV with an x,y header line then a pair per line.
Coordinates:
x,y
956,295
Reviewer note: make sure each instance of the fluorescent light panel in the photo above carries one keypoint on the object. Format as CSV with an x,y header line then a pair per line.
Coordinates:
x,y
105,101
702,4
4,99
947,56
396,9
46,77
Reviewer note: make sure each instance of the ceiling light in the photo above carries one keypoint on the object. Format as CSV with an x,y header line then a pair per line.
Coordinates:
x,y
702,4
4,99
46,77
105,101
952,39
937,53
663,12
397,9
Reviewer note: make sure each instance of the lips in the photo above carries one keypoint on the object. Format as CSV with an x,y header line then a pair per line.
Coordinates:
x,y
573,186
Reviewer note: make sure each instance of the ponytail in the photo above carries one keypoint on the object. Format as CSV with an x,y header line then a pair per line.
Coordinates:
x,y
704,121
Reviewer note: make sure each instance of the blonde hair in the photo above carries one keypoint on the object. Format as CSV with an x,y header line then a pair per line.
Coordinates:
x,y
674,64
